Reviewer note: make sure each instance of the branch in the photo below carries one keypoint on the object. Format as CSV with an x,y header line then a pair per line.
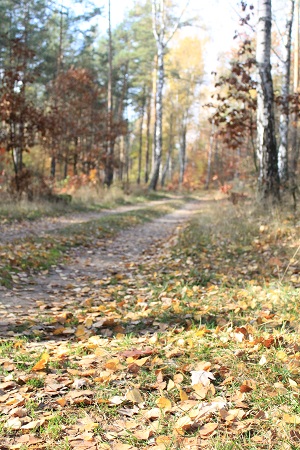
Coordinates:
x,y
177,24
154,20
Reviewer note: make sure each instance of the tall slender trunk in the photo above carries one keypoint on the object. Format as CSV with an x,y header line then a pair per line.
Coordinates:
x,y
159,116
285,91
210,152
148,142
109,163
182,150
266,140
141,139
169,155
294,146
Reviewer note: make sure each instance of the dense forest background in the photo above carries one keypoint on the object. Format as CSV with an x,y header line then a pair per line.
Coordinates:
x,y
129,104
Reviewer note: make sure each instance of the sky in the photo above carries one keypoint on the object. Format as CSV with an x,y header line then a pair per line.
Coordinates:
x,y
218,19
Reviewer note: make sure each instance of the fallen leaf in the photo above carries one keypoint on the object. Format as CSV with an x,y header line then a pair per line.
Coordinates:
x,y
201,377
182,425
164,403
287,418
207,429
42,363
134,396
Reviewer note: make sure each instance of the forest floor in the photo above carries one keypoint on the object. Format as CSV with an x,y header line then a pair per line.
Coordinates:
x,y
167,326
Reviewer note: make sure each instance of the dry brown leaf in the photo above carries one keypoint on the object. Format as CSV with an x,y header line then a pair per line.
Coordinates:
x,y
14,423
207,429
18,412
33,424
120,446
143,435
201,377
154,413
178,378
134,396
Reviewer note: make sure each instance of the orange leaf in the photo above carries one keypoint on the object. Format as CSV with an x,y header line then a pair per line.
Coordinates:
x,y
42,363
62,401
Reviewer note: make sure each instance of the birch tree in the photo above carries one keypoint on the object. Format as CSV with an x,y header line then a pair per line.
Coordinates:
x,y
163,33
109,165
266,141
285,91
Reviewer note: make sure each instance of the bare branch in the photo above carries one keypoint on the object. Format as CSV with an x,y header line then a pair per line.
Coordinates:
x,y
177,24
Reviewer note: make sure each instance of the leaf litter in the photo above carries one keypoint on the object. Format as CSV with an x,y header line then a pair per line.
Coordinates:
x,y
191,344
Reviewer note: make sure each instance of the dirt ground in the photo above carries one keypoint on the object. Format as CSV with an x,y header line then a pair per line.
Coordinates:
x,y
87,267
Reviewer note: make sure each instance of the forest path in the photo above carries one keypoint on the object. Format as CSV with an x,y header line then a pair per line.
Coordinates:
x,y
68,286
40,227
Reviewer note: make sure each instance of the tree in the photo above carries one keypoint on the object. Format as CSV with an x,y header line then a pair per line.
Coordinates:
x,y
185,68
164,28
284,103
266,141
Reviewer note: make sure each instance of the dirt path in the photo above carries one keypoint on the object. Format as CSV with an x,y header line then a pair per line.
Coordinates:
x,y
40,227
74,283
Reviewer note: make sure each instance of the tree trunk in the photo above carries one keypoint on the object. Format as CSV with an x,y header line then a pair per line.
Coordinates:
x,y
169,155
294,147
159,116
210,152
182,152
141,140
266,140
285,91
109,163
148,143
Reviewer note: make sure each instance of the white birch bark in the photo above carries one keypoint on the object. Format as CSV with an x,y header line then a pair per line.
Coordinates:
x,y
266,141
162,39
285,91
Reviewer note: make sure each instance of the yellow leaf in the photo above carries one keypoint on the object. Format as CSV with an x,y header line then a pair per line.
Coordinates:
x,y
80,332
295,420
170,385
183,395
164,440
183,424
41,364
281,355
88,322
134,396
164,403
